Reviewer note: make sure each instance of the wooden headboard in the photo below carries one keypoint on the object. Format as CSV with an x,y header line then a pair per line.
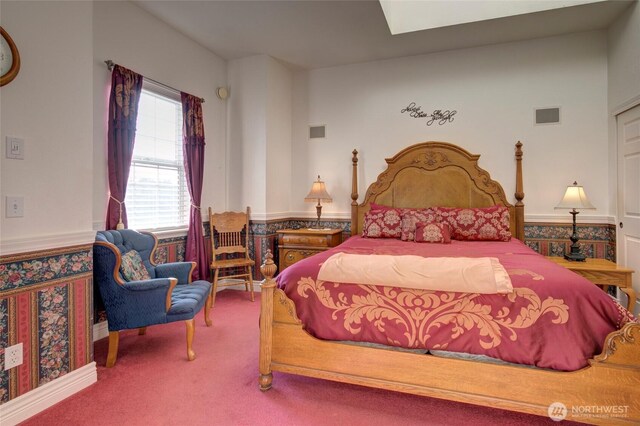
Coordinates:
x,y
433,174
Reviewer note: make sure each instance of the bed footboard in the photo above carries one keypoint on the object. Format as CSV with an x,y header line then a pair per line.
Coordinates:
x,y
605,392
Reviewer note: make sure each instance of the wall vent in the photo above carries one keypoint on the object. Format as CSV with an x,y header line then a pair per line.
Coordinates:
x,y
317,132
547,115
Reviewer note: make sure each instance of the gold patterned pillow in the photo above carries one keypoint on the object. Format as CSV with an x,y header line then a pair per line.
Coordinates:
x,y
132,268
382,224
433,232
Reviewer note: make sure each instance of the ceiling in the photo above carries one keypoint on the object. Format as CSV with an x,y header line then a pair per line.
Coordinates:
x,y
307,34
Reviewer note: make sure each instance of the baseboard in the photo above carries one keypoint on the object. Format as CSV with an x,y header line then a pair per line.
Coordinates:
x,y
45,396
100,330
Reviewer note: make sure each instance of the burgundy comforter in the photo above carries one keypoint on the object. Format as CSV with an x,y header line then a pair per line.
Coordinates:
x,y
553,319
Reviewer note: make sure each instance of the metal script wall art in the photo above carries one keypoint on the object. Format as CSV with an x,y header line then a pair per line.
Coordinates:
x,y
438,115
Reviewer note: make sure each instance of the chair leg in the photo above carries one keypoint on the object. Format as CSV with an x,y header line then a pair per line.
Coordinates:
x,y
142,331
191,327
207,310
251,283
214,290
114,338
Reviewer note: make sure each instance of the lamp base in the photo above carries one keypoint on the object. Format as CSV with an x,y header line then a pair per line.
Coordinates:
x,y
575,257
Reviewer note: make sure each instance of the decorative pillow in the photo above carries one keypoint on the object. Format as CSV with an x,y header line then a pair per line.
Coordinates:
x,y
132,268
410,217
477,224
433,232
382,223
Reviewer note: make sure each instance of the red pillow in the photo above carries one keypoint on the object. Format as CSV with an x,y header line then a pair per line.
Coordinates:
x,y
477,224
410,217
382,223
433,232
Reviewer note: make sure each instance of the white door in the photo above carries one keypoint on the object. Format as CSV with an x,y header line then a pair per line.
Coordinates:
x,y
629,193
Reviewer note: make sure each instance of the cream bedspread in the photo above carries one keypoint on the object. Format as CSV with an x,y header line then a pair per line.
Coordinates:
x,y
484,275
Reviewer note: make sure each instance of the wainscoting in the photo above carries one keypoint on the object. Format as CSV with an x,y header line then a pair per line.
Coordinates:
x,y
46,303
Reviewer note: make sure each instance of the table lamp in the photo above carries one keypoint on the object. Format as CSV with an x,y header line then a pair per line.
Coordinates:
x,y
318,192
575,198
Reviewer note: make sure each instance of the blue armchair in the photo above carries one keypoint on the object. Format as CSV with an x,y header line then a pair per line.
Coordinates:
x,y
169,295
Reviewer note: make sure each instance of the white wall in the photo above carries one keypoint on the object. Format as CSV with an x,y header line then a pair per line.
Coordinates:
x,y
624,58
279,110
260,109
624,81
136,40
494,90
247,134
49,105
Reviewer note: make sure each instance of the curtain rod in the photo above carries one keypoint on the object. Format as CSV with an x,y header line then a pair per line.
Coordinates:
x,y
111,64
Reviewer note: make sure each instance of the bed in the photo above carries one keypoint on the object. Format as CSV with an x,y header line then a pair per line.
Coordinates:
x,y
441,174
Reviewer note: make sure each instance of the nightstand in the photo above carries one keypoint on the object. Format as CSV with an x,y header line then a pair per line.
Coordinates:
x,y
297,244
603,273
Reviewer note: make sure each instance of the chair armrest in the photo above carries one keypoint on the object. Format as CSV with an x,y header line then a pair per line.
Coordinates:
x,y
180,270
147,285
159,291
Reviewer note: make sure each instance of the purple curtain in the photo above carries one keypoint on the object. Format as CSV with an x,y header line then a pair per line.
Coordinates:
x,y
126,86
193,148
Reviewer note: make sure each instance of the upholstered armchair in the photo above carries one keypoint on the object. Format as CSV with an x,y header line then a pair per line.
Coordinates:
x,y
138,293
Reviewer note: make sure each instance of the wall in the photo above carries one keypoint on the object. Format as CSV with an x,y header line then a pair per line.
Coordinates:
x,y
49,106
247,133
623,54
494,90
624,58
46,295
260,108
136,40
279,109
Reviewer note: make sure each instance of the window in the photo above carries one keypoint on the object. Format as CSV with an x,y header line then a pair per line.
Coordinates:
x,y
157,195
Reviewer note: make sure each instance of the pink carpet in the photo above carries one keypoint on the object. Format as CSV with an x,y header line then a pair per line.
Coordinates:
x,y
153,384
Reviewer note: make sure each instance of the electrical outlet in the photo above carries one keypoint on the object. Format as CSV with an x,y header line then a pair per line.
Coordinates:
x,y
12,356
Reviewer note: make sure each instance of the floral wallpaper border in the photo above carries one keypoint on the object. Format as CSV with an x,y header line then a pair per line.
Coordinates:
x,y
27,269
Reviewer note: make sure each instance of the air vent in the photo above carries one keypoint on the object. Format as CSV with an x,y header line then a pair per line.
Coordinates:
x,y
317,132
547,116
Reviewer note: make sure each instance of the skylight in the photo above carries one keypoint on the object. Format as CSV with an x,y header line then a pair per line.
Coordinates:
x,y
405,16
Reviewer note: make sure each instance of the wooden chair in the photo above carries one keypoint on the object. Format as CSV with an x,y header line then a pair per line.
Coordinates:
x,y
230,249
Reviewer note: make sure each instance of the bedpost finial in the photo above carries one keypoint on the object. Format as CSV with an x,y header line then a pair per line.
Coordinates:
x,y
268,268
355,156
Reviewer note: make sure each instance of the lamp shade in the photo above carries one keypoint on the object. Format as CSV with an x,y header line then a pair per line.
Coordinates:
x,y
318,192
575,198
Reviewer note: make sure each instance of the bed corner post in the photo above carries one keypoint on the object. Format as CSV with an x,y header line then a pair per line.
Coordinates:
x,y
268,285
354,193
519,194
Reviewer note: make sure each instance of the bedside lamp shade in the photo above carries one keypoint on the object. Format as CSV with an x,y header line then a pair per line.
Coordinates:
x,y
318,193
575,198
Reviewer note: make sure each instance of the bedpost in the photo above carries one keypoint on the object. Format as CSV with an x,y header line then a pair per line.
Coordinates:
x,y
268,285
519,194
354,193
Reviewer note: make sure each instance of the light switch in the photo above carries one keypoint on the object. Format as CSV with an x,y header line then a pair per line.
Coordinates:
x,y
15,206
15,148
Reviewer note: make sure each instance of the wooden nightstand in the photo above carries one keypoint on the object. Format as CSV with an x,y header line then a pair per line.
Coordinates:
x,y
297,244
603,273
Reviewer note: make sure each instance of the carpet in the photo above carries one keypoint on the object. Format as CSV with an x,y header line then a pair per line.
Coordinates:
x,y
152,383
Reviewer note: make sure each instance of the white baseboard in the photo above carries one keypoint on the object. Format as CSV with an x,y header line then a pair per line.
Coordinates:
x,y
100,331
45,396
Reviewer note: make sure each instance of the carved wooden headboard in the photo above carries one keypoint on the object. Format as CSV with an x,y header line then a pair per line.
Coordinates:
x,y
437,174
